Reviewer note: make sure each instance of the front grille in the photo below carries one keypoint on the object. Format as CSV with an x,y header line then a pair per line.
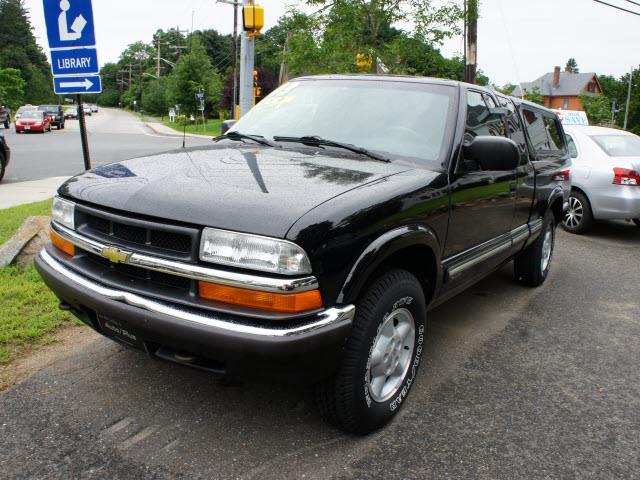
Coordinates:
x,y
138,273
155,238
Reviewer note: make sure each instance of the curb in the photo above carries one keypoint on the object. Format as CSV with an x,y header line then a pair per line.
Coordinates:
x,y
173,133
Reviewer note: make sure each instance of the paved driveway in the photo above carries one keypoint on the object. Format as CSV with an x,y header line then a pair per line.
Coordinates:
x,y
518,383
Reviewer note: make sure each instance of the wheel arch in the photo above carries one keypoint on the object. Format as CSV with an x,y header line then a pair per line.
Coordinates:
x,y
413,248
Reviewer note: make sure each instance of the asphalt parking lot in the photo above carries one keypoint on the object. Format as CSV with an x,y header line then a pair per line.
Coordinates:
x,y
517,383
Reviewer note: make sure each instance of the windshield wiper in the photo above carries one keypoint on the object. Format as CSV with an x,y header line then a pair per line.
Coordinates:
x,y
315,140
245,136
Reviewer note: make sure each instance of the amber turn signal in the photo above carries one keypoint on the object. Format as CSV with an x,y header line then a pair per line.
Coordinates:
x,y
271,302
62,244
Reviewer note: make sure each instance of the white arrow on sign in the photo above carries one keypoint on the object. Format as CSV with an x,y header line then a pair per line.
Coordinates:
x,y
87,84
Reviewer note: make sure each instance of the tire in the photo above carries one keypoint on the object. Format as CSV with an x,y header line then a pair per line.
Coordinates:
x,y
579,217
7,124
356,399
531,266
636,221
2,168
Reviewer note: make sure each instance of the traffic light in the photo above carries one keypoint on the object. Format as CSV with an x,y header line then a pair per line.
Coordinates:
x,y
253,19
257,91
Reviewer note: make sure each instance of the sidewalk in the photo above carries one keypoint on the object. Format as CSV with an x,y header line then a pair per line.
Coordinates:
x,y
12,194
161,129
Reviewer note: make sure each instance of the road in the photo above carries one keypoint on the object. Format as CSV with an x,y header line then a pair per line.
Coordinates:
x,y
113,135
517,383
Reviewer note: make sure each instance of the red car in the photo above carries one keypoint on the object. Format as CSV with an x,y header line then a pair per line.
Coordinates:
x,y
33,121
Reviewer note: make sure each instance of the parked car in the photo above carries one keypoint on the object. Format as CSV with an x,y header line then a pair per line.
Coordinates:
x,y
71,113
94,108
55,113
24,108
345,208
5,116
33,121
606,177
5,156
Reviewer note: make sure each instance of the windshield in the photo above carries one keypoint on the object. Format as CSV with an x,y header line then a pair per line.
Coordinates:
x,y
400,119
619,145
47,108
32,114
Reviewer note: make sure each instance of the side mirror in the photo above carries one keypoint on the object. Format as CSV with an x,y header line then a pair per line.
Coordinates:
x,y
493,153
226,125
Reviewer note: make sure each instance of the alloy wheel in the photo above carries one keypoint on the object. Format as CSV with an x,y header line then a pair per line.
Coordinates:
x,y
391,354
575,214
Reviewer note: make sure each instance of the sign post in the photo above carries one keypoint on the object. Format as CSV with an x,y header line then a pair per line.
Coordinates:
x,y
74,57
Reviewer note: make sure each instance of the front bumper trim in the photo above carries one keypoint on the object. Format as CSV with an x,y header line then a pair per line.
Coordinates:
x,y
330,317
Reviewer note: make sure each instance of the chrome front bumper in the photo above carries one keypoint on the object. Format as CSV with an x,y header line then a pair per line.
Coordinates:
x,y
330,317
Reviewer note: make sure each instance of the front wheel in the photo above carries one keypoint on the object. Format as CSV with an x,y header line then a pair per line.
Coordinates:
x,y
381,358
6,124
532,265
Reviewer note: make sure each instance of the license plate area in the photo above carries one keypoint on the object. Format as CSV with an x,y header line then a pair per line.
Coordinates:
x,y
119,332
27,127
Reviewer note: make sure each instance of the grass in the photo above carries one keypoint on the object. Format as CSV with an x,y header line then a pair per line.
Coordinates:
x,y
29,314
12,218
211,128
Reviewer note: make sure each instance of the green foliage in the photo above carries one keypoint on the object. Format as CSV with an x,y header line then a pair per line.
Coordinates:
x,y
19,50
154,97
572,66
597,108
507,89
11,88
193,72
534,95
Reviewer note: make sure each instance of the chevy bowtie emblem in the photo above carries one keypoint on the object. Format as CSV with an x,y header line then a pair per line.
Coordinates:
x,y
115,255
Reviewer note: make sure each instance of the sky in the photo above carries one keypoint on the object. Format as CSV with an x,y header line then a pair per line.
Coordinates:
x,y
518,40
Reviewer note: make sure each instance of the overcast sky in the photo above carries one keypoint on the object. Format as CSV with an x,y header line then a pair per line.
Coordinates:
x,y
518,40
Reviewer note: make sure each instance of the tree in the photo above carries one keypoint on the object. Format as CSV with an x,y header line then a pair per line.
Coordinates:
x,y
11,88
193,72
534,95
507,89
19,50
572,66
597,108
154,96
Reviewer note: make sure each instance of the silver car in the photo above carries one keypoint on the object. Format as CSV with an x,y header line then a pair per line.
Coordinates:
x,y
605,177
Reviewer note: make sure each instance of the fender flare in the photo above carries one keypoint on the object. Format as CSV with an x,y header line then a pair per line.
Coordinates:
x,y
382,248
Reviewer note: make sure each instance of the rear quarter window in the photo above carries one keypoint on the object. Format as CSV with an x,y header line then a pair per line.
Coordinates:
x,y
537,130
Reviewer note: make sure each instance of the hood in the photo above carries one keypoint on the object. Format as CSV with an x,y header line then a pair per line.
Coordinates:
x,y
241,188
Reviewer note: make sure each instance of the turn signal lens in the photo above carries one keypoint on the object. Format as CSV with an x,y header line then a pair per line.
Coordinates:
x,y
271,302
625,176
62,244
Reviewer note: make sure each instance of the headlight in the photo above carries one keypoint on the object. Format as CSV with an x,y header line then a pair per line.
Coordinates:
x,y
253,252
63,212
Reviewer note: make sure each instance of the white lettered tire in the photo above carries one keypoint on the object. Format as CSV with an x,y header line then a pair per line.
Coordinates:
x,y
381,358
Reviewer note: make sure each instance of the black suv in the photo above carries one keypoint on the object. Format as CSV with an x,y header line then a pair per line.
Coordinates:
x,y
56,113
310,241
5,116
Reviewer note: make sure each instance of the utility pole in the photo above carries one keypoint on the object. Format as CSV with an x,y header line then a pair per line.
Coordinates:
x,y
471,40
158,59
234,53
626,111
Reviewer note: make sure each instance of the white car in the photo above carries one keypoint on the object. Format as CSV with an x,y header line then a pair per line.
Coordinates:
x,y
605,176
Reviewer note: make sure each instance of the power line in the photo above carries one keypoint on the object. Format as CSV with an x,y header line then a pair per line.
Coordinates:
x,y
632,2
617,7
